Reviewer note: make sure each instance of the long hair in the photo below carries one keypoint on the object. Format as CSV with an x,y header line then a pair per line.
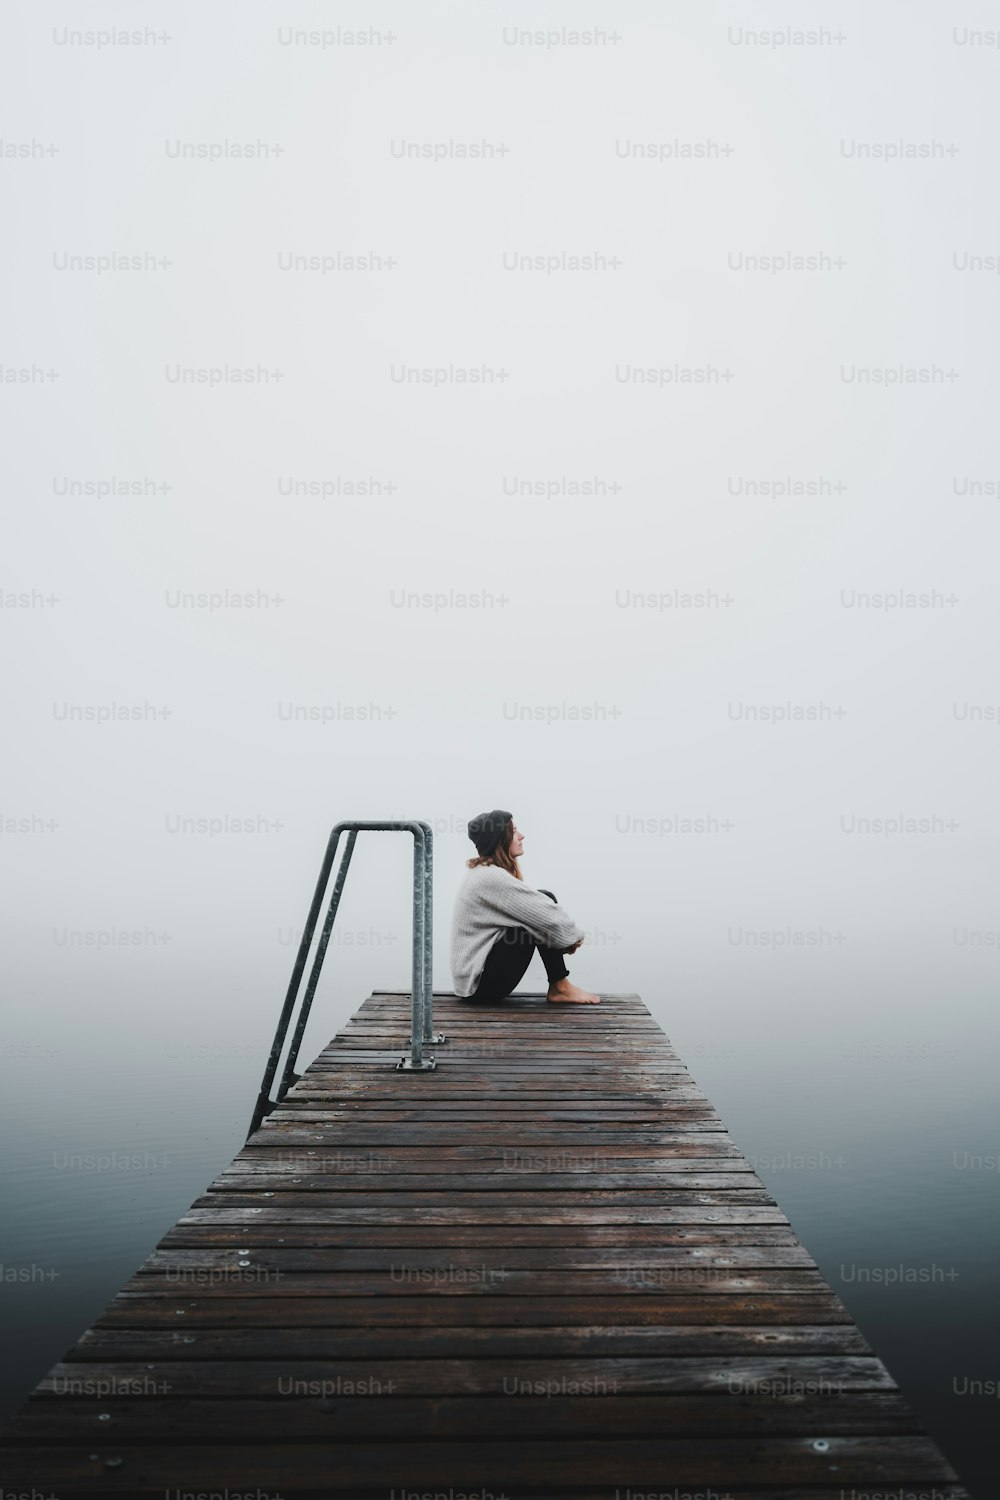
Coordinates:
x,y
501,854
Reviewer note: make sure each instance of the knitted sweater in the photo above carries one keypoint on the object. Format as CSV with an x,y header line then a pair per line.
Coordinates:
x,y
489,900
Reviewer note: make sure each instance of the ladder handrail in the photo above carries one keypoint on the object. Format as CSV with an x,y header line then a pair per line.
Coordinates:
x,y
421,1029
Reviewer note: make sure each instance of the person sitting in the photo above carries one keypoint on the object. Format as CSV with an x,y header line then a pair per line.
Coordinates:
x,y
498,921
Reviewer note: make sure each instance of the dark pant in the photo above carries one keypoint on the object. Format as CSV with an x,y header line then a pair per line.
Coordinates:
x,y
509,958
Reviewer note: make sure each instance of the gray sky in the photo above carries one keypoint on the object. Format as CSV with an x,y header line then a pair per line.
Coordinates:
x,y
770,450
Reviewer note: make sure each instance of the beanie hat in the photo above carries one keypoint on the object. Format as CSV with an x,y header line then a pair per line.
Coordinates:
x,y
486,830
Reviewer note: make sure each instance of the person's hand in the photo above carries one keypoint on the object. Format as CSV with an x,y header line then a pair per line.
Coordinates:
x,y
574,947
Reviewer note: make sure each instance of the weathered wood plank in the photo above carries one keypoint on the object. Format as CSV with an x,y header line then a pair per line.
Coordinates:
x,y
544,1258
488,1156
487,1280
287,1197
343,1468
147,1311
447,1235
533,1173
227,1419
487,1213
750,1378
459,1341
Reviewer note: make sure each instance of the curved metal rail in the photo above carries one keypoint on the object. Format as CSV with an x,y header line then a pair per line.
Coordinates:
x,y
421,1029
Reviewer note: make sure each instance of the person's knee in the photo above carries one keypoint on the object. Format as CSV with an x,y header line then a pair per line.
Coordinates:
x,y
550,894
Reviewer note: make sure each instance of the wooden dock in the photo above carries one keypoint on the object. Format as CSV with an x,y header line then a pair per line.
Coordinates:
x,y
543,1269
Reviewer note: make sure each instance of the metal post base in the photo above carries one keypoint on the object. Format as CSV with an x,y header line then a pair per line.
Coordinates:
x,y
407,1065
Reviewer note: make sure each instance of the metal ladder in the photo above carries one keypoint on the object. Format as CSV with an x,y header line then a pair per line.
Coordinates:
x,y
421,1025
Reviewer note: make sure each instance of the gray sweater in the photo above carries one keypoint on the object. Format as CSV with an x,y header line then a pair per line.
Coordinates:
x,y
489,900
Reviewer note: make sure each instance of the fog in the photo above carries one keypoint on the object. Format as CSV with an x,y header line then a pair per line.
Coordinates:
x,y
577,508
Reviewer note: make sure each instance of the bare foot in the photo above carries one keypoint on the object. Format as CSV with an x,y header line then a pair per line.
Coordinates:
x,y
571,994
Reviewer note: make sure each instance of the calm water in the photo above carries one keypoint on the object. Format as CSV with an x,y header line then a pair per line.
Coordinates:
x,y
868,1138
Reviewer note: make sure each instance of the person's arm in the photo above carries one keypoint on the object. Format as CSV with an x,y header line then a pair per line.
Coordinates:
x,y
544,918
